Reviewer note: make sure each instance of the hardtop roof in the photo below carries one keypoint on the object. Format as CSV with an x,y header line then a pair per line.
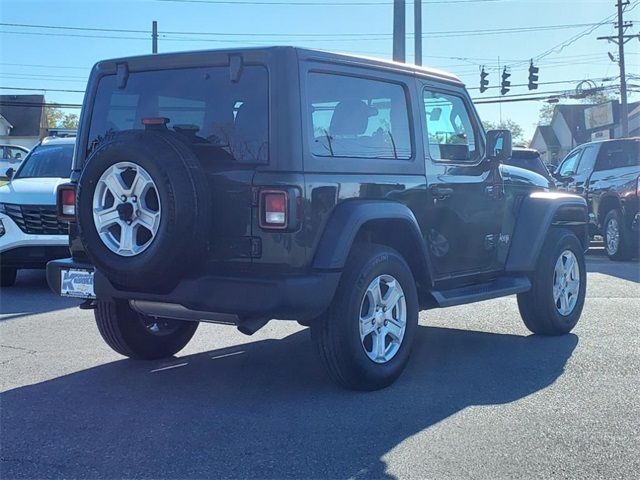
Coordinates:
x,y
305,54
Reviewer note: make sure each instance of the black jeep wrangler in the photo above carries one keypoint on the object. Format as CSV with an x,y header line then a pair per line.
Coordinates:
x,y
345,193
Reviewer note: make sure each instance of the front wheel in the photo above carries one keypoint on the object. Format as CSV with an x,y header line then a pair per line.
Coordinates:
x,y
365,338
617,238
559,284
139,336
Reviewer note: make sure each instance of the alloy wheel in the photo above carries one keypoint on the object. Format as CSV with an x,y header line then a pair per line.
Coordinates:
x,y
612,236
126,209
566,282
383,319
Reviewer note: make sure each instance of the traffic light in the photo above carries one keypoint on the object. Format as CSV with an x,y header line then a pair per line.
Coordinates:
x,y
506,84
484,83
533,77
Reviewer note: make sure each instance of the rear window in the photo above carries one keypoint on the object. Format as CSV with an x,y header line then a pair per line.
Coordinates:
x,y
619,155
357,117
47,161
225,121
528,161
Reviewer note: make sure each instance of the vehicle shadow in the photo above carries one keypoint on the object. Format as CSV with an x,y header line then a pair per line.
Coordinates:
x,y
31,295
261,410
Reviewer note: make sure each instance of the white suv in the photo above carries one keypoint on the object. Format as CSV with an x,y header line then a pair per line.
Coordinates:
x,y
30,233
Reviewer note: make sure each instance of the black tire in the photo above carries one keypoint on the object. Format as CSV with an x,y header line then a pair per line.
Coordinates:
x,y
8,276
182,191
336,334
537,306
622,249
127,332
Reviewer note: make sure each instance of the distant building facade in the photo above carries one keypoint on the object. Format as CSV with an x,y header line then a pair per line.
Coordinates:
x,y
573,125
24,119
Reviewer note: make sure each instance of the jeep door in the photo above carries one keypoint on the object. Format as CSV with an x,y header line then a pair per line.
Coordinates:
x,y
465,192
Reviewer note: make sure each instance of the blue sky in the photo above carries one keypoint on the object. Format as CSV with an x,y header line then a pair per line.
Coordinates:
x,y
33,58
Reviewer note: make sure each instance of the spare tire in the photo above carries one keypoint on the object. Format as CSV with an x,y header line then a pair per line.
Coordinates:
x,y
143,209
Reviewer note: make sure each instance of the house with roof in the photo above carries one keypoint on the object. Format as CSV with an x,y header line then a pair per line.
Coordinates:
x,y
24,119
573,125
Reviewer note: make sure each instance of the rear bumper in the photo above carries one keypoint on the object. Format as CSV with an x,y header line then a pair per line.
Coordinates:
x,y
286,297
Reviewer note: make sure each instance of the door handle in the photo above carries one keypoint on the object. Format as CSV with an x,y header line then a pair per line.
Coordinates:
x,y
440,193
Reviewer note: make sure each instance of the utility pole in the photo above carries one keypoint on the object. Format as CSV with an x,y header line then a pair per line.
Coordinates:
x,y
399,30
417,23
154,37
620,40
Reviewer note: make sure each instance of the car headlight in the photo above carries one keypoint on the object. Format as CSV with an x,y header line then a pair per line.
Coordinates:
x,y
2,230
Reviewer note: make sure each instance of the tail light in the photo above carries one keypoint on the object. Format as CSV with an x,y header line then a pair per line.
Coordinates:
x,y
66,202
274,209
638,187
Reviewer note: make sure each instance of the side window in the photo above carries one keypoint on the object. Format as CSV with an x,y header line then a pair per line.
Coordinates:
x,y
588,160
357,117
15,153
450,132
570,164
618,155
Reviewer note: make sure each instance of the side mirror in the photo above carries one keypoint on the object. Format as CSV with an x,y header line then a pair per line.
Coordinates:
x,y
9,173
499,145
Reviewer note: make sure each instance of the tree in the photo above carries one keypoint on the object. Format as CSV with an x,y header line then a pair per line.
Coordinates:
x,y
70,120
56,118
546,113
517,133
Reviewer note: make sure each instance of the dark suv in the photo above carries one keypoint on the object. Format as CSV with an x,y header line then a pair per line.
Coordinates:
x,y
345,193
607,175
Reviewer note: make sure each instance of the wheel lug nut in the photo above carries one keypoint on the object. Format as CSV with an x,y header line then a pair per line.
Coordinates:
x,y
134,199
123,198
386,322
128,222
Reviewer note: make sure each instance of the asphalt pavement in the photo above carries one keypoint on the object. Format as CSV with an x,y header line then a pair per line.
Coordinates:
x,y
481,397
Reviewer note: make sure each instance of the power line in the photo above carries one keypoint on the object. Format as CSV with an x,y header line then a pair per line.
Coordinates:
x,y
42,89
559,82
320,4
43,66
321,36
10,103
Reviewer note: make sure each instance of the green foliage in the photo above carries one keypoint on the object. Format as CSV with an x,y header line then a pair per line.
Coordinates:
x,y
517,132
56,118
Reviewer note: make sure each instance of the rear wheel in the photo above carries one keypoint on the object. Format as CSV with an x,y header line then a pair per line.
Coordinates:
x,y
365,338
554,303
139,336
8,276
617,238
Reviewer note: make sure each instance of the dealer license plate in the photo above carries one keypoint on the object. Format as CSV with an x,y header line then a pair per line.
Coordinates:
x,y
77,283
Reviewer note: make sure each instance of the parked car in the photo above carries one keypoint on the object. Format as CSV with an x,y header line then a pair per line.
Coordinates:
x,y
529,159
607,175
12,156
30,233
345,193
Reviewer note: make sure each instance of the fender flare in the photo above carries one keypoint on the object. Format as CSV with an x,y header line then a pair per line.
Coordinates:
x,y
346,221
538,213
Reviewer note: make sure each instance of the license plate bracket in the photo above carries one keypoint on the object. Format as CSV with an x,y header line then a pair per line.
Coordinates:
x,y
77,283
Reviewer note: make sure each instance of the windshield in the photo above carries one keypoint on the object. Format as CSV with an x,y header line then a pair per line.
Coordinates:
x,y
224,120
47,161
